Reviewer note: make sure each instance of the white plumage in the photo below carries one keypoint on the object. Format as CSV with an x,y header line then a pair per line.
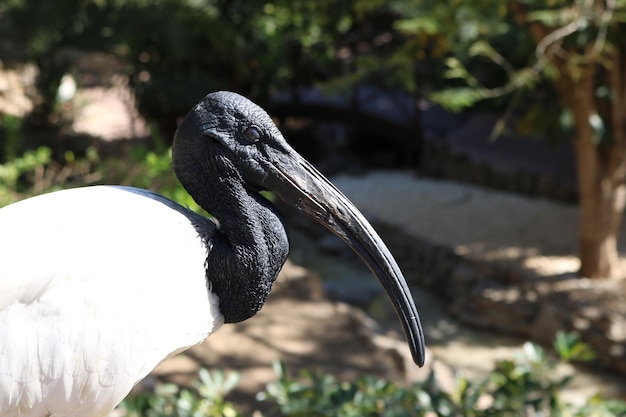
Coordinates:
x,y
86,310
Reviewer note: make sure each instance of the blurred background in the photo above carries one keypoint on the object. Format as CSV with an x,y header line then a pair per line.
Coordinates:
x,y
484,139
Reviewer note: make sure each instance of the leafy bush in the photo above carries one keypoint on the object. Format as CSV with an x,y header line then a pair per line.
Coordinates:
x,y
527,385
205,400
36,172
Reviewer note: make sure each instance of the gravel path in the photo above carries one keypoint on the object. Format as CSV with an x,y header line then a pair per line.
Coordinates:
x,y
535,234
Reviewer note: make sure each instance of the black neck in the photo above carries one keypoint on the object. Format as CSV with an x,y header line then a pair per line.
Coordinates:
x,y
249,247
247,251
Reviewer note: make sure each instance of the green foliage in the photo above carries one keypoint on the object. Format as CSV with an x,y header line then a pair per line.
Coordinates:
x,y
176,51
11,172
320,395
206,399
476,37
151,170
35,172
569,348
457,99
11,127
528,385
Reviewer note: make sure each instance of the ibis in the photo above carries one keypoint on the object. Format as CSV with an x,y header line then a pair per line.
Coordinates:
x,y
99,284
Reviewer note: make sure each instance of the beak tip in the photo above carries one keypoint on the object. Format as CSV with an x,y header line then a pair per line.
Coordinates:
x,y
417,343
419,357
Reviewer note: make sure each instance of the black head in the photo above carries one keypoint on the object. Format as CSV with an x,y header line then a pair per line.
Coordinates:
x,y
229,136
228,145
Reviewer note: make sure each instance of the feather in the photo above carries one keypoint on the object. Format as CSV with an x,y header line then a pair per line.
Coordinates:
x,y
80,327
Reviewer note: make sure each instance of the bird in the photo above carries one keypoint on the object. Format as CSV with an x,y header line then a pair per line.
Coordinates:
x,y
99,284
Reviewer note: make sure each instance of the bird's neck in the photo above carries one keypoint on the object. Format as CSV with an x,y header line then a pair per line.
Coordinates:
x,y
247,251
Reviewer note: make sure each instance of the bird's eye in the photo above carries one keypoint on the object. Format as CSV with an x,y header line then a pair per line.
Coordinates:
x,y
252,134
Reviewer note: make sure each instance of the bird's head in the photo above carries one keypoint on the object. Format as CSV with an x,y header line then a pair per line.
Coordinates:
x,y
230,137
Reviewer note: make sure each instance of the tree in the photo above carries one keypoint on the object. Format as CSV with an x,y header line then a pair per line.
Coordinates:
x,y
579,48
591,79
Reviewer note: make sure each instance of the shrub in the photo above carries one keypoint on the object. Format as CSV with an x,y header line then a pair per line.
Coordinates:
x,y
526,385
169,400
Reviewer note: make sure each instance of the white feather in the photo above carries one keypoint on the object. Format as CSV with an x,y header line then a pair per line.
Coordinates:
x,y
97,286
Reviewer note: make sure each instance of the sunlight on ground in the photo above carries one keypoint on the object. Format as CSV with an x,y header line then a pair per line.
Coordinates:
x,y
552,265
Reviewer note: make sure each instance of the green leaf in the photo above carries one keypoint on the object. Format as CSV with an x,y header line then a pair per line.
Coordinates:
x,y
483,48
534,352
456,99
456,69
416,25
569,347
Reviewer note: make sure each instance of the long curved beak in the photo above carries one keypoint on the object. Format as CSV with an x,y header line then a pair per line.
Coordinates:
x,y
299,184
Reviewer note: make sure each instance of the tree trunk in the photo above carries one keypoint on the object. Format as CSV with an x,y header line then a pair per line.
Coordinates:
x,y
600,160
601,167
